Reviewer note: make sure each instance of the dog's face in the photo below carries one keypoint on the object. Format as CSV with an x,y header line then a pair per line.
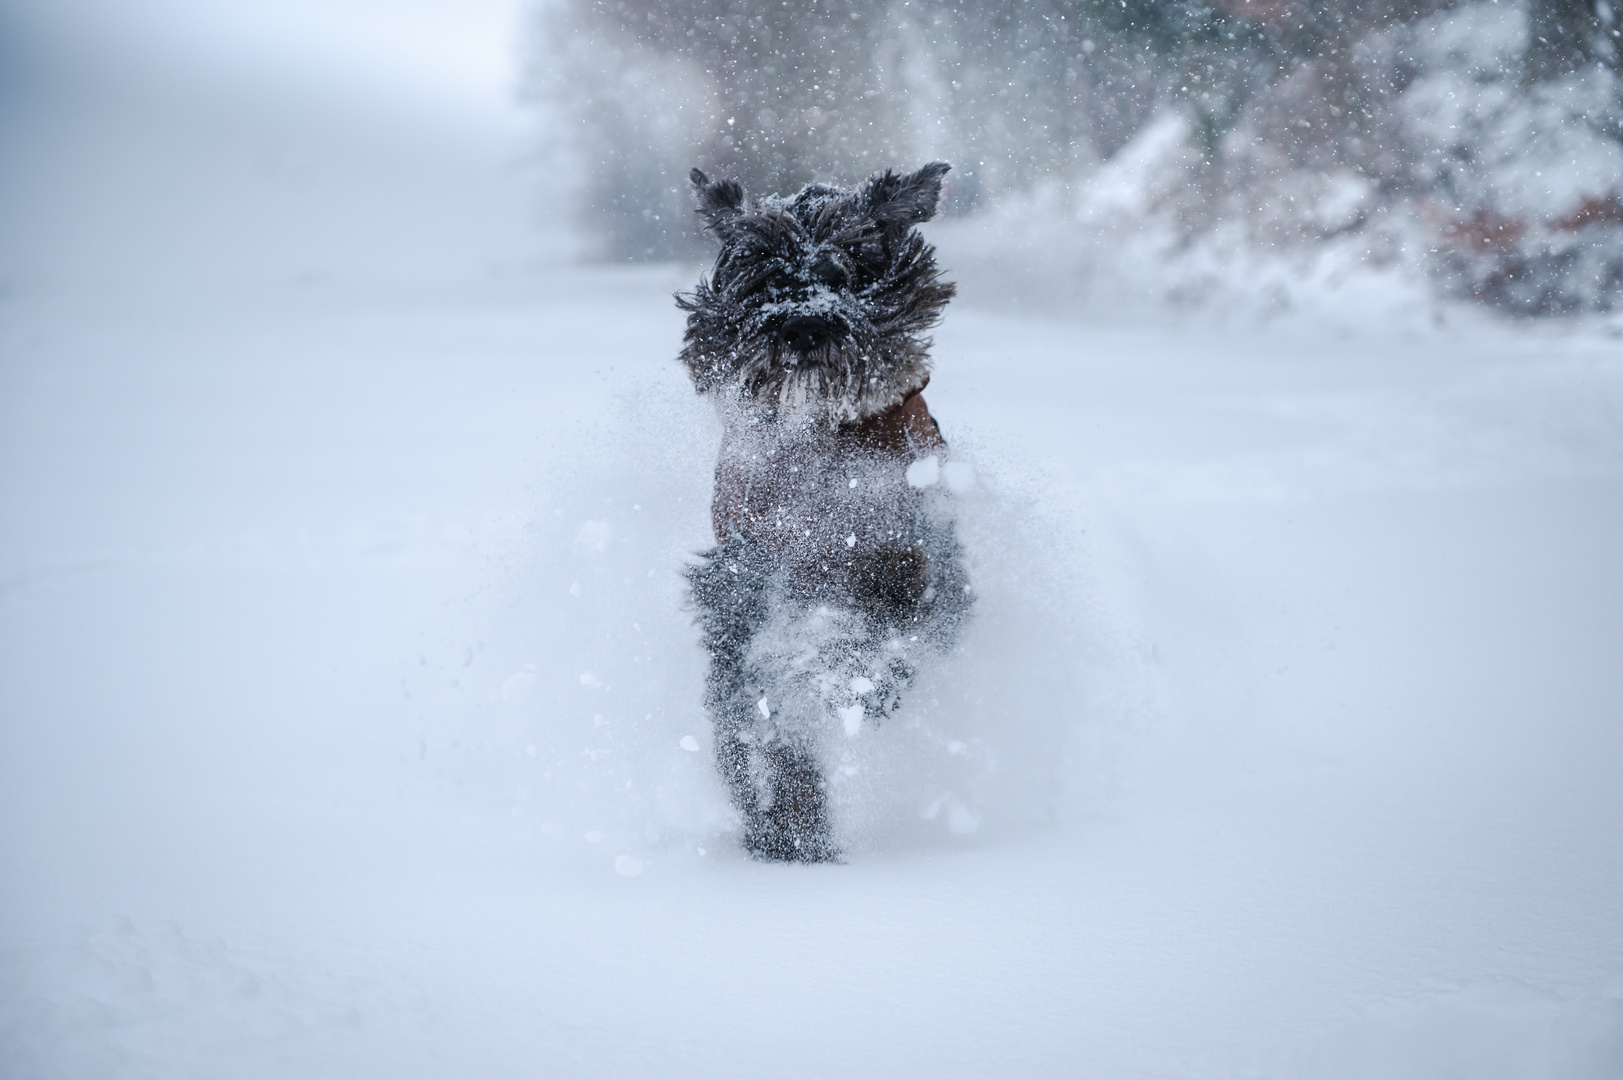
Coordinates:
x,y
819,302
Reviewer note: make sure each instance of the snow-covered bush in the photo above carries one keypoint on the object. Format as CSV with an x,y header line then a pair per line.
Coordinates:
x,y
1522,175
1467,142
1481,141
778,95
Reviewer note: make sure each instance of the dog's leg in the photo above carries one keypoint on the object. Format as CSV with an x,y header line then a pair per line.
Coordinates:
x,y
793,825
776,785
774,781
769,786
732,717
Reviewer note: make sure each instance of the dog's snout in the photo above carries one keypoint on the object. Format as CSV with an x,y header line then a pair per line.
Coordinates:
x,y
806,333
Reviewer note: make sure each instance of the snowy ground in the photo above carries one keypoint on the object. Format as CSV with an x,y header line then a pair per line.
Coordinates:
x,y
344,678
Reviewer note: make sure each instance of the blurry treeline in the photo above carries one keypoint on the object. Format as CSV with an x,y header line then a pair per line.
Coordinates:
x,y
1496,125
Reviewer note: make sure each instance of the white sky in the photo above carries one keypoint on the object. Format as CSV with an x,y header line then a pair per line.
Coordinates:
x,y
445,48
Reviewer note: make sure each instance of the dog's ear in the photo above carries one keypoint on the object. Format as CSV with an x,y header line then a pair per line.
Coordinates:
x,y
719,201
904,201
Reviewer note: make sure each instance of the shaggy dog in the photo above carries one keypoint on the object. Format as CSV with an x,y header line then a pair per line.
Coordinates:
x,y
836,568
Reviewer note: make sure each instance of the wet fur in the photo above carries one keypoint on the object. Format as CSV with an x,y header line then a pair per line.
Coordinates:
x,y
850,256
808,631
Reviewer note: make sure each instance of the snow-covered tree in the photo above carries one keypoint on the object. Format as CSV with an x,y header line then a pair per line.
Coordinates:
x,y
1516,144
1496,125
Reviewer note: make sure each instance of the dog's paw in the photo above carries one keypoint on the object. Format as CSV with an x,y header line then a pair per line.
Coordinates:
x,y
768,844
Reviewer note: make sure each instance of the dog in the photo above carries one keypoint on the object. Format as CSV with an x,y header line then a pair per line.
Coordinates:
x,y
837,568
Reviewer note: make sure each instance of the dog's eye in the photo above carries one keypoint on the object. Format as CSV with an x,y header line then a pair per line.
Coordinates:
x,y
866,261
742,283
870,254
767,280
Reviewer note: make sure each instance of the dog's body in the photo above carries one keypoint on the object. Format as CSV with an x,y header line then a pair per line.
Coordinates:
x,y
837,567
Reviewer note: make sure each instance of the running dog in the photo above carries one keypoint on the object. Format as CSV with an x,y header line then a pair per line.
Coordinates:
x,y
837,568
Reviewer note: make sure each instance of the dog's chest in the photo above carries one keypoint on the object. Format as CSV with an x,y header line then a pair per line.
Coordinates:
x,y
812,502
822,505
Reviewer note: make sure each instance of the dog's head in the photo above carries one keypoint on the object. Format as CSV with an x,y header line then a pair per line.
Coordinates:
x,y
819,302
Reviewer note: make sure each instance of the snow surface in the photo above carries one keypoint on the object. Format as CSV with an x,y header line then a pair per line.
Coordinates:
x,y
350,720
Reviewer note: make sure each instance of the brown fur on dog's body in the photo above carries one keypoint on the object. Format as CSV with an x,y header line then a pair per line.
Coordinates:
x,y
834,572
776,491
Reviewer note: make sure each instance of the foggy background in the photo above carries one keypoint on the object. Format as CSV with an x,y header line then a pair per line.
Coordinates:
x,y
350,714
1475,143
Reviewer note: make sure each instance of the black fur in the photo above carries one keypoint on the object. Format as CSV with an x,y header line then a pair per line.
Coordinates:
x,y
843,576
773,777
719,203
848,259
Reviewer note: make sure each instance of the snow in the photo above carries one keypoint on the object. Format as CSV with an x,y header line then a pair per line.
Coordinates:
x,y
1533,154
350,718
925,472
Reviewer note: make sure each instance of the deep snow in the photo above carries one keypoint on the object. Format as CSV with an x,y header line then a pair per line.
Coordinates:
x,y
346,695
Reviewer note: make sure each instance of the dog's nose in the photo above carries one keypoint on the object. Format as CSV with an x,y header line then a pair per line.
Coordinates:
x,y
805,333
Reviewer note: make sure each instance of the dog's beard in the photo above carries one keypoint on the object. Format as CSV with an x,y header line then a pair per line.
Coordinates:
x,y
846,380
875,356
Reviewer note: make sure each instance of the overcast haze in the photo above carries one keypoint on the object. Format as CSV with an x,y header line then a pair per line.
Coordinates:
x,y
351,717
